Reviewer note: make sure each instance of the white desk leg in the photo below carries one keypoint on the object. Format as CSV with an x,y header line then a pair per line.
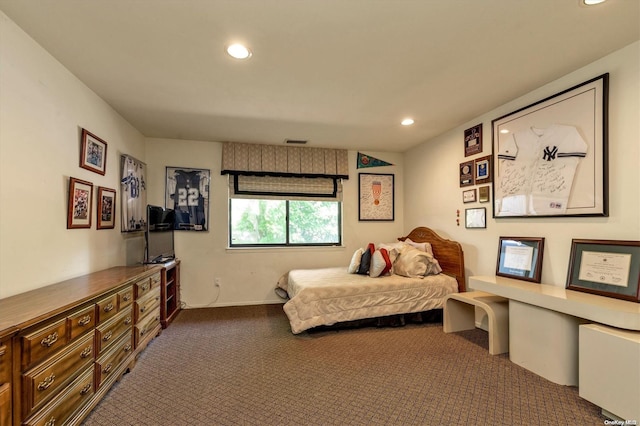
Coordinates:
x,y
544,342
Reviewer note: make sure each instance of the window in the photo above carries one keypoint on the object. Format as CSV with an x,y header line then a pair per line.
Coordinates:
x,y
276,222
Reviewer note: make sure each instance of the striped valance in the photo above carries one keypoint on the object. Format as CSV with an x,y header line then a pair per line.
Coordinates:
x,y
275,160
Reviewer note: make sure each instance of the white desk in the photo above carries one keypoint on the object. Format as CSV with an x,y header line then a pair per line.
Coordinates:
x,y
544,323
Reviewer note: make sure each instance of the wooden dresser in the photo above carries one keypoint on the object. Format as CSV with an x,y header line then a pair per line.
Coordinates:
x,y
63,346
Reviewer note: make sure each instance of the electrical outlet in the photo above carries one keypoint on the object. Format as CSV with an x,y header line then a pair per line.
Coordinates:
x,y
216,281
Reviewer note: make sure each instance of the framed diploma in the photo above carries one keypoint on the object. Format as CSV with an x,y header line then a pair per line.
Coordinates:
x,y
605,267
520,258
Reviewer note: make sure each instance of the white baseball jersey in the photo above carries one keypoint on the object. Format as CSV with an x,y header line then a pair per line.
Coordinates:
x,y
537,167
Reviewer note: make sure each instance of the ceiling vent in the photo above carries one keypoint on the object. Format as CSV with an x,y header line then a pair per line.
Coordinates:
x,y
295,142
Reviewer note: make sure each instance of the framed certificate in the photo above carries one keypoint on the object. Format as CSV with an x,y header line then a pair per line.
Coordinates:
x,y
520,258
605,267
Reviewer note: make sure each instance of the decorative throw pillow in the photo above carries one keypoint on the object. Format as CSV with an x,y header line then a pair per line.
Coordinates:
x,y
365,261
355,261
426,247
380,263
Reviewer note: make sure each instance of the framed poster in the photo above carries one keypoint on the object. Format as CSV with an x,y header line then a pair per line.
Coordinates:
x,y
605,267
93,153
187,193
133,190
106,211
520,258
473,140
375,197
550,158
79,204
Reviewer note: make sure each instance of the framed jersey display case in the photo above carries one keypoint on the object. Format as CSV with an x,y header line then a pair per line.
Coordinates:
x,y
550,158
187,193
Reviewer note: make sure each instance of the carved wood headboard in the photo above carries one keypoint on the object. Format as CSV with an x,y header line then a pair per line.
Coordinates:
x,y
448,253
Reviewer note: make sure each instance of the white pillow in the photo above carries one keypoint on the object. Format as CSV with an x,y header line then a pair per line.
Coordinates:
x,y
355,261
379,264
426,247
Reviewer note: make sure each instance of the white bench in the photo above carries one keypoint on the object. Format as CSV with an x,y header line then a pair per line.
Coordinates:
x,y
459,315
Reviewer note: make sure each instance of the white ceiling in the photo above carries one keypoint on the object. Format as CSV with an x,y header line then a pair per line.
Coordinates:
x,y
339,73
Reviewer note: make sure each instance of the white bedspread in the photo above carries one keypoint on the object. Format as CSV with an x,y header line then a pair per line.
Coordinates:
x,y
330,295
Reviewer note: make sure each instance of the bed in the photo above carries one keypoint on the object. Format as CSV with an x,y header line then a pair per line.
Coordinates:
x,y
328,296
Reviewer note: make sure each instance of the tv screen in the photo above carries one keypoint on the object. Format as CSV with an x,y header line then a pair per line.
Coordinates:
x,y
159,234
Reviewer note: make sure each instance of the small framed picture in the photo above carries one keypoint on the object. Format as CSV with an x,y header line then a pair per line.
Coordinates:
x,y
93,153
483,194
482,168
469,196
606,268
80,203
475,218
106,211
520,258
473,140
466,173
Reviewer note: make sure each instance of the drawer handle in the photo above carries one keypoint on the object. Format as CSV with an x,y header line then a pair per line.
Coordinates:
x,y
126,297
51,422
127,321
107,368
108,308
48,341
86,352
85,389
84,320
107,336
142,309
127,348
46,383
145,287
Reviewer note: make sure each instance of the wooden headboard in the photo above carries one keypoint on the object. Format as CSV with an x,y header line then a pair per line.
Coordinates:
x,y
448,253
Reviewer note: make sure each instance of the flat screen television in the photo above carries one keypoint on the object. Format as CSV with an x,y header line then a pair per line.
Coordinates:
x,y
159,234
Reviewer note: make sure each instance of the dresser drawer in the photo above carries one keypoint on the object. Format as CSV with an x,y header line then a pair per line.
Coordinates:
x,y
81,321
125,297
61,408
147,304
5,361
39,383
145,327
5,405
107,308
43,342
109,332
108,363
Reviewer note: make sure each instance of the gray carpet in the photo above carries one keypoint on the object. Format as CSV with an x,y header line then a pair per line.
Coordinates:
x,y
242,366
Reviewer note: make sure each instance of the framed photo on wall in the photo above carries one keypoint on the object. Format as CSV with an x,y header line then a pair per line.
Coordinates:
x,y
469,196
606,268
520,258
106,211
466,173
482,167
375,197
93,153
187,193
558,166
79,204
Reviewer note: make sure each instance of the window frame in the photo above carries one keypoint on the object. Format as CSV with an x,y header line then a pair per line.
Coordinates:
x,y
287,244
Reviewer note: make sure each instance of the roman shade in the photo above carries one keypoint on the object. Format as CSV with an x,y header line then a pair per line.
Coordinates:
x,y
283,161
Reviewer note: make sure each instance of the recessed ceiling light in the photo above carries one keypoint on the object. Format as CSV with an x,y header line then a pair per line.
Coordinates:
x,y
238,51
504,131
407,122
592,2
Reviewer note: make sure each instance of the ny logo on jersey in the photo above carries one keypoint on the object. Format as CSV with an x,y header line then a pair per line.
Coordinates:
x,y
550,153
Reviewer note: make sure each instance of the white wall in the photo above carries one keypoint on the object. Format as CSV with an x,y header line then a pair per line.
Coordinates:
x,y
249,276
433,195
42,110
